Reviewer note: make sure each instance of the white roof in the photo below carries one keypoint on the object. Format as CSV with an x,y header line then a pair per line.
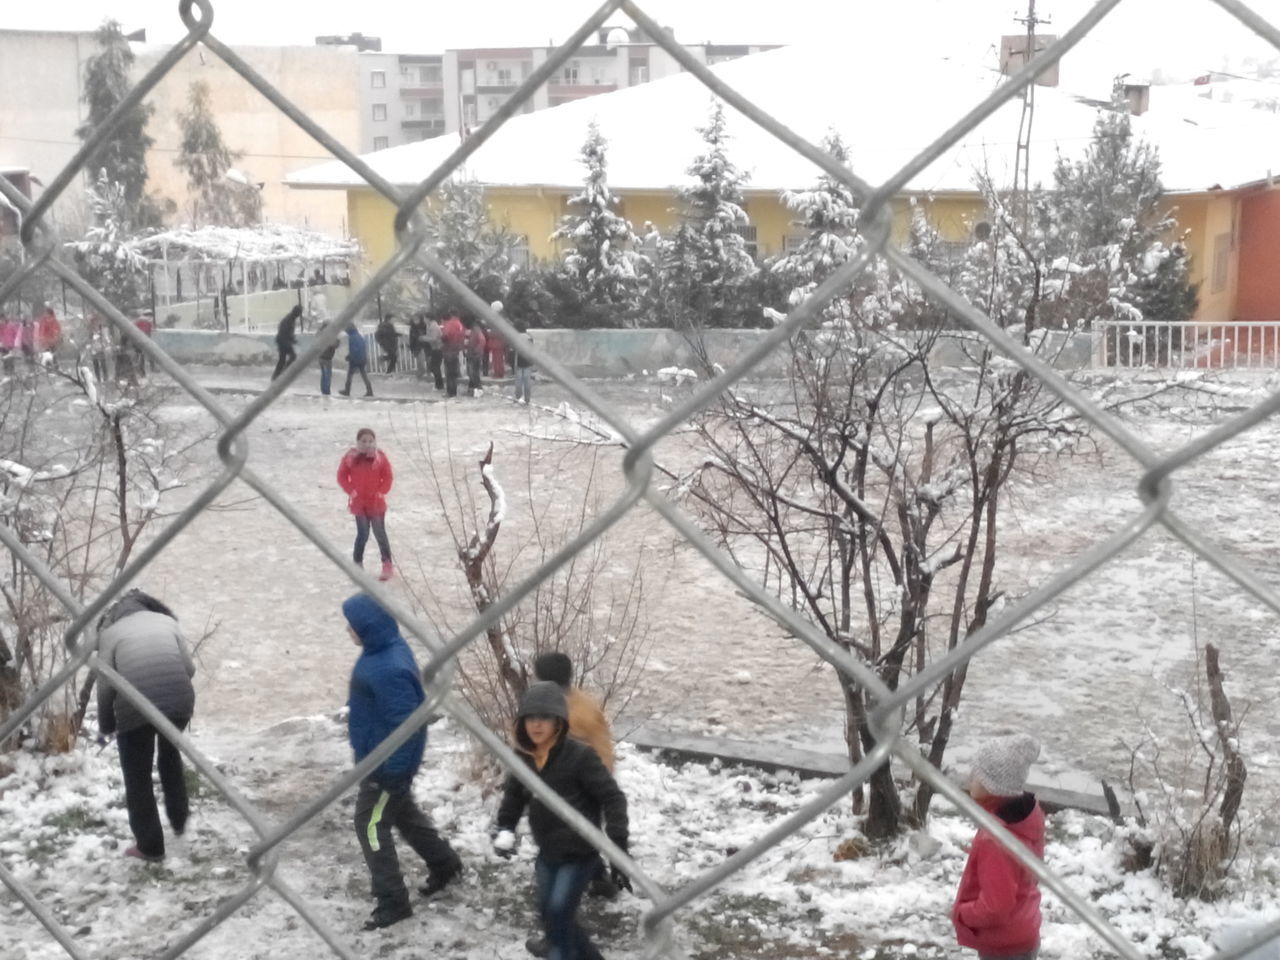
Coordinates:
x,y
886,109
267,241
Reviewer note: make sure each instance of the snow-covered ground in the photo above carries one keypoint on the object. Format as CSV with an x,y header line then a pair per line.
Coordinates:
x,y
1087,681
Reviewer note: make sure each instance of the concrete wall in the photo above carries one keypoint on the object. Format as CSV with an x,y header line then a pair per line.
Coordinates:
x,y
322,81
590,353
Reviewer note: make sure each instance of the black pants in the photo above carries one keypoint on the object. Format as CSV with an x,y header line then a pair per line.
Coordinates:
x,y
389,356
435,358
364,375
452,370
473,375
285,356
137,751
376,813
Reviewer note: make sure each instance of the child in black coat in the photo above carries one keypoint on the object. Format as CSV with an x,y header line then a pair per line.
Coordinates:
x,y
566,861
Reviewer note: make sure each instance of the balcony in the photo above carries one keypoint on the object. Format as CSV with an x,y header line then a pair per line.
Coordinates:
x,y
490,84
561,89
417,88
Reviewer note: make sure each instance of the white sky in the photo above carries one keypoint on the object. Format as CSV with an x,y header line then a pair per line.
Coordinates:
x,y
1182,37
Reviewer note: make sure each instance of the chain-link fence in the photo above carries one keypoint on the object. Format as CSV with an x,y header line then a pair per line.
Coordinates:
x,y
263,858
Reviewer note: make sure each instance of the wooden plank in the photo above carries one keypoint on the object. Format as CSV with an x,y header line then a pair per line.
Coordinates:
x,y
773,757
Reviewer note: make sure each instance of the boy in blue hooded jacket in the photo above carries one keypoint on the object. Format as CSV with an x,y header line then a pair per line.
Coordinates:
x,y
385,690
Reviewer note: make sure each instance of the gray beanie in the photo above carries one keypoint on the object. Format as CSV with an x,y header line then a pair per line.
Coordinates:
x,y
1001,765
543,699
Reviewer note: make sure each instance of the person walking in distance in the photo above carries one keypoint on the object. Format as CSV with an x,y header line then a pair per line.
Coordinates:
x,y
385,690
326,367
453,338
434,342
417,343
997,906
524,367
286,340
496,347
139,638
388,339
364,473
357,360
475,355
566,861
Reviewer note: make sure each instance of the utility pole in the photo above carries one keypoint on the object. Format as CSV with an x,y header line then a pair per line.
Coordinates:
x,y
1022,157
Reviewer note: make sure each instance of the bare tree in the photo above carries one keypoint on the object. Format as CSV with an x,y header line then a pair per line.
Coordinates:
x,y
83,479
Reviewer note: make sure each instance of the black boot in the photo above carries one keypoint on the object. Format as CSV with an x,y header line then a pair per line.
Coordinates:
x,y
384,915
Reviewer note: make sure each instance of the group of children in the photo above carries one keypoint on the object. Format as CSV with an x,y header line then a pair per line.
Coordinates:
x,y
445,347
560,734
28,337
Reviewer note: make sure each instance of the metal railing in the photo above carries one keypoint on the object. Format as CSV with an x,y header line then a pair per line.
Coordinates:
x,y
1151,505
1202,346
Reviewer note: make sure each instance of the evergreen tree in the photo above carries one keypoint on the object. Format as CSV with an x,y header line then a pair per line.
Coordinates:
x,y
604,263
203,156
829,213
1105,231
705,265
464,240
105,257
124,153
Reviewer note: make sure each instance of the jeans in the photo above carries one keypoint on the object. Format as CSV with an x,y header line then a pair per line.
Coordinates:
x,y
435,357
1010,956
364,375
560,889
137,750
377,811
473,375
326,377
524,379
378,523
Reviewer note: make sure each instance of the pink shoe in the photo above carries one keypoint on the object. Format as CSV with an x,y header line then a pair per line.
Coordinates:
x,y
139,855
388,571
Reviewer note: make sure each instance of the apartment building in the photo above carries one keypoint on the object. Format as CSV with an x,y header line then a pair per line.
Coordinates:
x,y
410,97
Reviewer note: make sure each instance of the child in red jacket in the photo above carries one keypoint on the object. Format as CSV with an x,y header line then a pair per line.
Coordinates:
x,y
365,475
997,908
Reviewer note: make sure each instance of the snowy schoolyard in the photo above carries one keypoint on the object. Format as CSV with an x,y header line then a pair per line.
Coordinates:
x,y
1091,678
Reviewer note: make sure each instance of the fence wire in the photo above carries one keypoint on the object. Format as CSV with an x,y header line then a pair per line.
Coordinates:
x,y
262,860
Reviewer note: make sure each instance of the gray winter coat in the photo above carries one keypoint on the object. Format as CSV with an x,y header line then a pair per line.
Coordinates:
x,y
149,650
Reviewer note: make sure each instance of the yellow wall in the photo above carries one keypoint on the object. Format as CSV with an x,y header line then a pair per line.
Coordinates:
x,y
535,212
1204,217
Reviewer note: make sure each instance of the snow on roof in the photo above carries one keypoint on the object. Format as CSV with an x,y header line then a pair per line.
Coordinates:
x,y
886,111
268,241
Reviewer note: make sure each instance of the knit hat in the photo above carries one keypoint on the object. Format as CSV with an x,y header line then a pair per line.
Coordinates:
x,y
542,699
1001,765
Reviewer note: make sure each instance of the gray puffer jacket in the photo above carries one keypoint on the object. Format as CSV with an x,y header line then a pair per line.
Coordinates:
x,y
149,650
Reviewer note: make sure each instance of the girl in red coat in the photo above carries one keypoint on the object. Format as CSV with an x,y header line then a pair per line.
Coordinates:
x,y
997,908
365,475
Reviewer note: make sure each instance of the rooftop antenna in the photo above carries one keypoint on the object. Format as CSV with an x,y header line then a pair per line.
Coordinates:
x,y
1022,157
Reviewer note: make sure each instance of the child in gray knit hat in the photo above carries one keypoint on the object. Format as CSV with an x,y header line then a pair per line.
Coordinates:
x,y
997,907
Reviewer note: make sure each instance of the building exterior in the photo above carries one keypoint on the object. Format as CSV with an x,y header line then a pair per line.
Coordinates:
x,y
410,97
1215,158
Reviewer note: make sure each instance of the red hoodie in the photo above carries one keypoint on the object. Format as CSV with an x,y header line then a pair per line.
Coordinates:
x,y
997,908
366,481
452,336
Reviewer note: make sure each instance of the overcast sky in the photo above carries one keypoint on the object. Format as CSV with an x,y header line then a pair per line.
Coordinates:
x,y
1181,37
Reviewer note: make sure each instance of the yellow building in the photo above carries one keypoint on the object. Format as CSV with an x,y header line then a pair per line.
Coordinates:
x,y
530,167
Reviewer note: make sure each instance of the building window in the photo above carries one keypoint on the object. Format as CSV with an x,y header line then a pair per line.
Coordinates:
x,y
431,76
379,111
1221,262
505,79
378,79
793,242
380,143
639,73
570,74
520,251
748,234
410,109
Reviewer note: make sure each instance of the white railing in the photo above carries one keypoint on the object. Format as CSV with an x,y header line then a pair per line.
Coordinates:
x,y
1209,346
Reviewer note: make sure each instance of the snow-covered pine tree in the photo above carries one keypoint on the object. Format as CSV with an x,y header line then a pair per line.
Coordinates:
x,y
124,153
104,257
829,215
463,239
204,157
705,264
1108,235
605,263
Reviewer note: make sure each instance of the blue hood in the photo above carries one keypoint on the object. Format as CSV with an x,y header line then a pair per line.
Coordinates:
x,y
376,628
